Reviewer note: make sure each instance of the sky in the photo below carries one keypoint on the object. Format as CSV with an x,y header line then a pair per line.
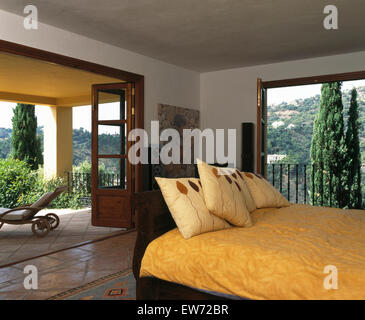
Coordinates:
x,y
288,94
81,117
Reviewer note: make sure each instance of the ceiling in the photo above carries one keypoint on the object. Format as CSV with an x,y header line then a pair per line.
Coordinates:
x,y
209,35
40,82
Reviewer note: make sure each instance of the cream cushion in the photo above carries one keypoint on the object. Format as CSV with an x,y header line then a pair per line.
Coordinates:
x,y
24,213
263,192
15,215
43,201
223,193
185,200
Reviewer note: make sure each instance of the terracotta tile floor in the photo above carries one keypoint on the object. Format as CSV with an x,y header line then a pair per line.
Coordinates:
x,y
70,268
18,242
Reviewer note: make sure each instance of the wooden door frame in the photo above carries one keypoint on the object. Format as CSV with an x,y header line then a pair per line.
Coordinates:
x,y
347,76
62,60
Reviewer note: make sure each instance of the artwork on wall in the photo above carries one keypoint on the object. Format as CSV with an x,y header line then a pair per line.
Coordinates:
x,y
178,118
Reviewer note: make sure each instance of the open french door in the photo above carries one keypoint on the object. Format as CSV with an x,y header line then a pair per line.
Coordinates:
x,y
261,153
112,174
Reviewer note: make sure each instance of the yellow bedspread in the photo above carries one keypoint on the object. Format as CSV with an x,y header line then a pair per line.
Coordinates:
x,y
282,256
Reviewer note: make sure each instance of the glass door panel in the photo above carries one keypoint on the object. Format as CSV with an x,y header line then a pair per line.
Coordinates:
x,y
112,139
112,105
112,173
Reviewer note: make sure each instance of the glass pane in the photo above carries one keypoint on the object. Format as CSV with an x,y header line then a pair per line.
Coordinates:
x,y
112,139
112,105
112,174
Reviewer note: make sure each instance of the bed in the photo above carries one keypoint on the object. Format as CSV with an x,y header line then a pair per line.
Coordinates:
x,y
283,256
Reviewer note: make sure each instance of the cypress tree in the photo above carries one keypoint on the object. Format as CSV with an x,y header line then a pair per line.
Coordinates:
x,y
353,181
328,149
25,143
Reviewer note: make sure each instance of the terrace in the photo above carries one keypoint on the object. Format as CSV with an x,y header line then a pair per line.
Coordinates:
x,y
18,242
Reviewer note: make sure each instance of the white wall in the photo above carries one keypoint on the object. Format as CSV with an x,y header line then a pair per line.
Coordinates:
x,y
229,97
164,83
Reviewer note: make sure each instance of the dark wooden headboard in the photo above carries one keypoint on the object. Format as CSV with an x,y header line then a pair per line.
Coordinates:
x,y
152,219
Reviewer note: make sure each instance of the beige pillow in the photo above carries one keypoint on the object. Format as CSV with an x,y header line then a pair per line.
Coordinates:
x,y
263,192
185,200
222,188
250,202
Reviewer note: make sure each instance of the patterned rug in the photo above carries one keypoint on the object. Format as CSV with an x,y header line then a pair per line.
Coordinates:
x,y
116,286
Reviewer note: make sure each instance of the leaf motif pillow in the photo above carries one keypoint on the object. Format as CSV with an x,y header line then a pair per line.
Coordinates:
x,y
263,192
250,203
223,193
185,200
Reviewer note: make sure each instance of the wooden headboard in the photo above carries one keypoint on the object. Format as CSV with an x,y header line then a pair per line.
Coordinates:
x,y
152,219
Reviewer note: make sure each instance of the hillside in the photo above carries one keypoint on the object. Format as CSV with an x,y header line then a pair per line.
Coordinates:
x,y
81,143
109,143
290,126
81,146
5,142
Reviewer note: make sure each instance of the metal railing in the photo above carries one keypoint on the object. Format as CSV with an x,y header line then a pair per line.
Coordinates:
x,y
111,180
308,184
292,180
80,184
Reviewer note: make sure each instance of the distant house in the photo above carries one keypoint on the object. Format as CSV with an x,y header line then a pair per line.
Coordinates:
x,y
277,124
272,158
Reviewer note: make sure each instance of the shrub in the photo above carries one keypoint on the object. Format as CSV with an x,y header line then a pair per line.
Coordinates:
x,y
16,179
83,167
19,185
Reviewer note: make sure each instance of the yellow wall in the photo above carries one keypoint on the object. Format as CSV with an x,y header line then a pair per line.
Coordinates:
x,y
58,142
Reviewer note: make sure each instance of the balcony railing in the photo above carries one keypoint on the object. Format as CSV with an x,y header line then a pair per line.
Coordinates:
x,y
292,180
80,184
299,185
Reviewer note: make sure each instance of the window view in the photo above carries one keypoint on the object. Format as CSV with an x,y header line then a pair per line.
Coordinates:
x,y
316,143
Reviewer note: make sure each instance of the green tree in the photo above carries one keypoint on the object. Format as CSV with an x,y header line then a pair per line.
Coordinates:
x,y
353,195
328,149
25,143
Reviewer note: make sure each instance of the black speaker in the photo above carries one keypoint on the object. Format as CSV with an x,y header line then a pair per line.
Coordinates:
x,y
247,155
150,171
